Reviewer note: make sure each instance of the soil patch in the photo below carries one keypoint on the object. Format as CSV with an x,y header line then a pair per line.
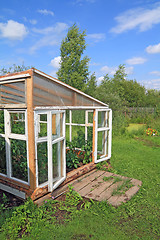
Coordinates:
x,y
10,201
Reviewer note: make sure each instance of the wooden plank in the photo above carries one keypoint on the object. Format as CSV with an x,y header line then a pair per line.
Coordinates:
x,y
12,93
12,98
7,101
13,181
31,139
81,184
74,99
97,186
107,193
14,87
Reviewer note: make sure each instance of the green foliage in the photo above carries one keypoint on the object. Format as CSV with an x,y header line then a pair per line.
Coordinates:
x,y
14,68
135,219
114,178
72,159
73,69
91,85
27,217
121,189
4,203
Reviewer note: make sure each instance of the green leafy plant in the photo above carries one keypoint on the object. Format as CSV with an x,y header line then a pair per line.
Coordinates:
x,y
114,178
72,160
126,184
87,148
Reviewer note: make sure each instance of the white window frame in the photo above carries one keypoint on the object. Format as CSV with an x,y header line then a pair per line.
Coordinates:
x,y
52,183
108,142
8,135
86,124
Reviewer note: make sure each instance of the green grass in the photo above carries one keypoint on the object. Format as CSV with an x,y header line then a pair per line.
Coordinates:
x,y
138,218
135,126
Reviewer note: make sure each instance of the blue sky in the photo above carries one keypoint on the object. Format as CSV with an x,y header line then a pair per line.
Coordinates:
x,y
118,32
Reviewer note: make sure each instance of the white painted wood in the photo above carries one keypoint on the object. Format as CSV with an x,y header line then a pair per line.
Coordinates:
x,y
70,127
50,163
13,191
14,78
7,132
106,140
110,134
80,124
71,108
86,123
13,106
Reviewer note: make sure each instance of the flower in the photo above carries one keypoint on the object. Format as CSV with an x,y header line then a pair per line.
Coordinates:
x,y
151,132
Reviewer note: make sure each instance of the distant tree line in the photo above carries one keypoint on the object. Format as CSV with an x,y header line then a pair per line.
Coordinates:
x,y
117,91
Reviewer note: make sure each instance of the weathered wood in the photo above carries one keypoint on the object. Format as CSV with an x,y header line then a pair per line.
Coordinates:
x,y
80,185
97,186
31,140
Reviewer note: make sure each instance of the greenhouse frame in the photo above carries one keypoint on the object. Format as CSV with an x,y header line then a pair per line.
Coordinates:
x,y
38,113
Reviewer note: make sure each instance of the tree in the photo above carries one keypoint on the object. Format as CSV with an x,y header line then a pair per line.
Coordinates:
x,y
73,69
91,85
14,68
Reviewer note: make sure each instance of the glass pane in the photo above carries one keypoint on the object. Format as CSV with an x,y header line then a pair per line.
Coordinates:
x,y
18,123
57,130
78,116
67,116
56,158
2,156
19,159
102,148
1,121
12,93
89,135
90,117
42,155
102,119
67,133
42,128
78,136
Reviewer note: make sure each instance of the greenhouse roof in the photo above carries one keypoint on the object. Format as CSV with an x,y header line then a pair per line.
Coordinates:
x,y
43,90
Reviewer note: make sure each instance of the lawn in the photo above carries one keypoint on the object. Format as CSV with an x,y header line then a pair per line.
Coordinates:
x,y
136,157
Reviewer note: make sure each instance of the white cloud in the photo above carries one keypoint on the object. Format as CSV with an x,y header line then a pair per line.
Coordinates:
x,y
153,49
109,70
56,62
136,60
96,37
80,2
32,21
112,70
45,12
100,79
51,36
141,18
152,84
129,70
157,73
13,30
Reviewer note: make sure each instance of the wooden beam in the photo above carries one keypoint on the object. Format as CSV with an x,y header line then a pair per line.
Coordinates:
x,y
14,87
12,93
74,101
31,139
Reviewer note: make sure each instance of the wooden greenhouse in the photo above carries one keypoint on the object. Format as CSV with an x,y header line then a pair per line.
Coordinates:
x,y
38,113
